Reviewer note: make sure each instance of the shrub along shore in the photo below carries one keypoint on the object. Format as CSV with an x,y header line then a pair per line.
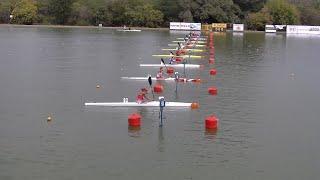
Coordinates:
x,y
158,13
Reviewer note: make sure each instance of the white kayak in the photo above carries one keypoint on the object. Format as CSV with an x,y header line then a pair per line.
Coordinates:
x,y
197,45
172,65
162,79
129,30
184,56
194,39
192,50
192,42
135,104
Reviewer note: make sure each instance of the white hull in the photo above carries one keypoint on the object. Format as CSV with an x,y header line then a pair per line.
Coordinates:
x,y
184,56
129,30
161,79
195,39
192,42
134,104
197,45
172,65
192,50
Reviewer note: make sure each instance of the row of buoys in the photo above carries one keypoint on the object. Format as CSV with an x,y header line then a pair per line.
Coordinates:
x,y
211,122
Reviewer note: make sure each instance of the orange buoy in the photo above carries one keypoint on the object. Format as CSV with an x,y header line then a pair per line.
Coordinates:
x,y
195,105
213,72
213,90
158,88
134,119
170,70
211,122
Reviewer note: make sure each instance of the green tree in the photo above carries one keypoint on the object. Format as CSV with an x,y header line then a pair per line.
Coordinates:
x,y
250,5
170,10
80,14
257,21
25,12
283,12
144,15
311,15
60,10
102,16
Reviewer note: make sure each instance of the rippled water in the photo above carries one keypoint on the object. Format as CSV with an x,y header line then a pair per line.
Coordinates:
x,y
268,106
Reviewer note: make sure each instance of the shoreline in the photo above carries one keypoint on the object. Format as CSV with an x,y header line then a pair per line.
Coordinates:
x,y
80,27
108,27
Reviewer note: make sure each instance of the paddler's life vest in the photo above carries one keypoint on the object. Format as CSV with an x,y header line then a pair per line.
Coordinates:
x,y
159,75
140,98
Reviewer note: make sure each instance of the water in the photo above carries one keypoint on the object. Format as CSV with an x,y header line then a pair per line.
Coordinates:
x,y
267,103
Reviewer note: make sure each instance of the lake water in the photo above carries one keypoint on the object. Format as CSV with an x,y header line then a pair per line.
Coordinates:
x,y
268,104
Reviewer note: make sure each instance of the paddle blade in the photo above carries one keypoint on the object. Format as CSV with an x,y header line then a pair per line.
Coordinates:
x,y
150,80
162,61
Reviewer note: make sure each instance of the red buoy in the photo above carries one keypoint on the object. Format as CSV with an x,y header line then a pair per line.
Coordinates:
x,y
213,72
178,59
211,61
158,88
211,122
213,90
170,70
134,119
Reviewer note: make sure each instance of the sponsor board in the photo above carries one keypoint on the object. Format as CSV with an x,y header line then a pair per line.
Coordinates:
x,y
220,27
238,27
185,26
275,28
293,29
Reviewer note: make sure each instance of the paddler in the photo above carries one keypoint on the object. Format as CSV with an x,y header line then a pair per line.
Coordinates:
x,y
142,96
160,73
171,60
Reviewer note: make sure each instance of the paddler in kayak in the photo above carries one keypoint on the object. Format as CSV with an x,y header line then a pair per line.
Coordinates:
x,y
160,74
142,96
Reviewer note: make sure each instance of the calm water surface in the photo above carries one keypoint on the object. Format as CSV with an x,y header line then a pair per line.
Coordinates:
x,y
268,105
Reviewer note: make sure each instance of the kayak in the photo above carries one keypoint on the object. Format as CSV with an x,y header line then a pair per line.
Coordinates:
x,y
172,65
135,104
194,39
192,42
185,56
193,50
162,79
191,45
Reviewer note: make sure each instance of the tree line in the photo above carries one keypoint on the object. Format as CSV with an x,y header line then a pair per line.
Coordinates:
x,y
158,13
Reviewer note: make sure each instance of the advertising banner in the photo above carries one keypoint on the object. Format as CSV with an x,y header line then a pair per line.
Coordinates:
x,y
185,26
174,26
292,29
238,27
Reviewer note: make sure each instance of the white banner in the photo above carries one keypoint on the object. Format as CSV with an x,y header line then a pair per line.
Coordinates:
x,y
292,29
174,25
238,27
185,26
